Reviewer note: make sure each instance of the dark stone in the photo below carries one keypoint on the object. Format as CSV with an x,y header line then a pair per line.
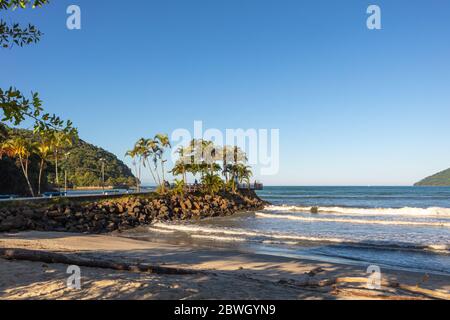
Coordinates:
x,y
314,210
123,214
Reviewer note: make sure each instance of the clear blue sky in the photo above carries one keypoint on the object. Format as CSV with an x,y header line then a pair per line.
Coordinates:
x,y
354,107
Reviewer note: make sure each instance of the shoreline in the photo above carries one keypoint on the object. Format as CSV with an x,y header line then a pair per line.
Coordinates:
x,y
177,234
224,273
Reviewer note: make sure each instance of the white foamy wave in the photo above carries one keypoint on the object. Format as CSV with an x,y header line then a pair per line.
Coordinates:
x,y
241,235
356,221
194,228
218,238
241,232
407,211
161,230
280,242
439,247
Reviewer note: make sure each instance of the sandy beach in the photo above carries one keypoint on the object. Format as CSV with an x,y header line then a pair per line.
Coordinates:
x,y
220,274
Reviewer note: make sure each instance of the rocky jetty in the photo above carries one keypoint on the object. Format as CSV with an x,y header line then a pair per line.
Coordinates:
x,y
109,215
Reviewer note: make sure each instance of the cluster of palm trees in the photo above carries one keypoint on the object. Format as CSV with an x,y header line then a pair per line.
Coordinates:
x,y
50,144
201,159
149,153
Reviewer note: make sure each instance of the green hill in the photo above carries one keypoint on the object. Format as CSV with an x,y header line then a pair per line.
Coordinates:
x,y
83,168
439,179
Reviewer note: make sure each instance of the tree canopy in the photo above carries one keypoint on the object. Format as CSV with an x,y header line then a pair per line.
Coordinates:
x,y
15,105
80,160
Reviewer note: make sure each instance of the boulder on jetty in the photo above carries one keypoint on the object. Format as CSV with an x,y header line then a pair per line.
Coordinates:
x,y
107,215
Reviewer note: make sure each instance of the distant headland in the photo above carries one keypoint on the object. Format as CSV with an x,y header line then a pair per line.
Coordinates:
x,y
441,179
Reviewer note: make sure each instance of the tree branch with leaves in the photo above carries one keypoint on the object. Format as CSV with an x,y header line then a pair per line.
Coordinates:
x,y
14,34
15,107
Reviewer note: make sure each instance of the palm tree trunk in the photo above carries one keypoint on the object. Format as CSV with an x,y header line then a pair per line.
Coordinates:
x,y
225,170
235,156
41,168
163,177
157,175
56,168
137,179
25,173
151,171
234,180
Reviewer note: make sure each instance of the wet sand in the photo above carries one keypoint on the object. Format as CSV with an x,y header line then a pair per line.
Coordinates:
x,y
226,273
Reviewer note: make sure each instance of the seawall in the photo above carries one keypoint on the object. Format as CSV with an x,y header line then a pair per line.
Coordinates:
x,y
121,213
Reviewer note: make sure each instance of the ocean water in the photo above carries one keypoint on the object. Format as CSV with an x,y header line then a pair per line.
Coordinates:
x,y
396,227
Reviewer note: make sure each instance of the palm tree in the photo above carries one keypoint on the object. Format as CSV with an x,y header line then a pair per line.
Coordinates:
x,y
179,187
60,141
181,164
133,154
193,169
238,156
203,168
196,151
244,173
19,147
140,155
214,154
232,170
151,149
193,155
212,183
44,150
163,143
203,155
179,170
227,154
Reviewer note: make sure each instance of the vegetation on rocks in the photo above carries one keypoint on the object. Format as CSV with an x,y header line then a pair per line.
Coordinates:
x,y
201,159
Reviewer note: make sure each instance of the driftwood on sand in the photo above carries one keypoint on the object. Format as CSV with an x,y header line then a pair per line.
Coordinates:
x,y
51,257
321,283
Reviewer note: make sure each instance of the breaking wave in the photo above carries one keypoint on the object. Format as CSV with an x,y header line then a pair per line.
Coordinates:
x,y
241,235
406,211
357,221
